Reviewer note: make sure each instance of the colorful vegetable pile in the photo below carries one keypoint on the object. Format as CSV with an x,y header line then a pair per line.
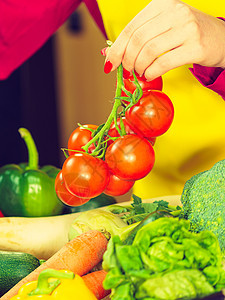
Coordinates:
x,y
74,257
109,158
151,254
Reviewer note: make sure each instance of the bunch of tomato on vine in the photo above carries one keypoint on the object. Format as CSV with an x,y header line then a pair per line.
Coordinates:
x,y
109,158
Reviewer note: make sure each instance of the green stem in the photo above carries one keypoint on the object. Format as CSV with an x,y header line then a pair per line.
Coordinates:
x,y
138,93
176,213
123,130
33,158
138,88
116,125
44,287
173,207
119,81
117,104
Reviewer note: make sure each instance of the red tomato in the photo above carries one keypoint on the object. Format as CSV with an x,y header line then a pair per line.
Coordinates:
x,y
130,157
129,84
152,115
64,195
1,214
85,176
114,133
80,137
117,186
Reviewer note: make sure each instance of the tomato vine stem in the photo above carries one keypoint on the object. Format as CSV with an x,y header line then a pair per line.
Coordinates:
x,y
98,138
113,115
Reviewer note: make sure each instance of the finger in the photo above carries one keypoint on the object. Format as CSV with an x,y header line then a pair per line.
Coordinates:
x,y
103,51
155,27
156,47
116,51
168,61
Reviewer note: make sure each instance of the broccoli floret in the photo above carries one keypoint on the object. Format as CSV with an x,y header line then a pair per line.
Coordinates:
x,y
203,200
186,194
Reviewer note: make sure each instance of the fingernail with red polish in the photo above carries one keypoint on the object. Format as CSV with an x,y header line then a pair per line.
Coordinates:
x,y
103,51
136,73
126,74
108,67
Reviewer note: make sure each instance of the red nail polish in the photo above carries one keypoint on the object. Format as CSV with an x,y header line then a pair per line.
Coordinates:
x,y
140,76
108,67
103,51
136,73
126,74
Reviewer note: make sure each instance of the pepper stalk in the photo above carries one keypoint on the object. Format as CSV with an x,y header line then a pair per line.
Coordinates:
x,y
44,287
33,157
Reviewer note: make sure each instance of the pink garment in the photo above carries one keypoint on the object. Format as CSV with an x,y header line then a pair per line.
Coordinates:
x,y
26,25
212,78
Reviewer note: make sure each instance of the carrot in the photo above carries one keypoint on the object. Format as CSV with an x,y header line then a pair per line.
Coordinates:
x,y
94,282
79,255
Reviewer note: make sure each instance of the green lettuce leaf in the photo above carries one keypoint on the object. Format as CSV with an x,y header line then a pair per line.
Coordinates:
x,y
165,261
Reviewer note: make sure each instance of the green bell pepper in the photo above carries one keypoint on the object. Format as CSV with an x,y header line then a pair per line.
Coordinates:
x,y
27,190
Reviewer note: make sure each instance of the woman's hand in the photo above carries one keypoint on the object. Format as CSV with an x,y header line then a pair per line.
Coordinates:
x,y
167,34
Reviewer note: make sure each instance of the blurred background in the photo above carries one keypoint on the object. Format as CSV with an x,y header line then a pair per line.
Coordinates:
x,y
59,86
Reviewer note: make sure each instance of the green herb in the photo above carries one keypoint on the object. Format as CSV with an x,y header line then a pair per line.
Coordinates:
x,y
138,210
138,205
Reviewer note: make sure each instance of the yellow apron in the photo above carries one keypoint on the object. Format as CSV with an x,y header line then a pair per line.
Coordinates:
x,y
196,139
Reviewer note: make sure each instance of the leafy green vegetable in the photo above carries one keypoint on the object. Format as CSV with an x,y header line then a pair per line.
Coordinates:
x,y
138,210
165,261
138,205
178,284
162,204
203,200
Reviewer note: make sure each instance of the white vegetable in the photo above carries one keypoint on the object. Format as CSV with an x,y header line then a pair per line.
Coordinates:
x,y
44,236
97,219
41,237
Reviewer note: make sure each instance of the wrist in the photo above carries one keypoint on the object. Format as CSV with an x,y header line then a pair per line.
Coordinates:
x,y
222,64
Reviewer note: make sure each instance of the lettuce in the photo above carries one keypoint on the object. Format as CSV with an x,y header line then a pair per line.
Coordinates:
x,y
165,261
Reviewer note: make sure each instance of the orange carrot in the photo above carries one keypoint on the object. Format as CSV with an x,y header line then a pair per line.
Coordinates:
x,y
79,255
94,281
